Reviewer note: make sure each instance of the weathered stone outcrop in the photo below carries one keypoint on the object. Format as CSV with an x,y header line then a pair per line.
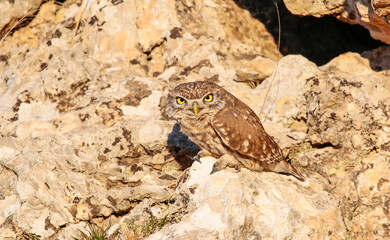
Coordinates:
x,y
247,205
84,135
374,15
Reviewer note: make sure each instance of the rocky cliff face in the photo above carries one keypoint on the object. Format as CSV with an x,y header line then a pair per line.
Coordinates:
x,y
84,135
372,14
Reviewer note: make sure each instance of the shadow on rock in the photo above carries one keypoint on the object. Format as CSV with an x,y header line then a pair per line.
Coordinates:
x,y
181,147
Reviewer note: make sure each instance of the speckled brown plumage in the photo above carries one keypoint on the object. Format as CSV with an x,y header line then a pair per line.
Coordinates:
x,y
225,127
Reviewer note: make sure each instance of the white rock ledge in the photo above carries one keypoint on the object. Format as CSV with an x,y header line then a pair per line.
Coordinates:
x,y
253,205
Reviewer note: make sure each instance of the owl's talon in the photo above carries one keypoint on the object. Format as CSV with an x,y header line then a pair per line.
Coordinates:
x,y
215,169
238,168
200,154
196,158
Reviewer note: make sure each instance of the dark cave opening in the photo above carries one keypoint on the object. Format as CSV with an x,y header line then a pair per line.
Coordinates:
x,y
318,39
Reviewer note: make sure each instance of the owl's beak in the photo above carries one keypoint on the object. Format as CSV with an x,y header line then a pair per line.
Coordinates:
x,y
196,108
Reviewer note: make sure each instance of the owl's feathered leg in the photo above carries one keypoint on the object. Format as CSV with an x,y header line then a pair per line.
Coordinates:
x,y
225,161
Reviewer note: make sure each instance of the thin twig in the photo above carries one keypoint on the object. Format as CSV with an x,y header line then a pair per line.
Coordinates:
x,y
277,63
13,27
82,7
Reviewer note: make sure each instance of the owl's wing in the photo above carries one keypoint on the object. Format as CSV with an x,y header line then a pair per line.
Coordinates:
x,y
241,130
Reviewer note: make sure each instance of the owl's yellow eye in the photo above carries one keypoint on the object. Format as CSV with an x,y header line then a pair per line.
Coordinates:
x,y
208,98
180,100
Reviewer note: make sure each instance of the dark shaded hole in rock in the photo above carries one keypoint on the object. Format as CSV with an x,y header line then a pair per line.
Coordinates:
x,y
181,147
324,145
14,25
167,177
318,39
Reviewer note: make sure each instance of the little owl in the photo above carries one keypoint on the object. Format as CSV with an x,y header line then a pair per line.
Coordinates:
x,y
226,128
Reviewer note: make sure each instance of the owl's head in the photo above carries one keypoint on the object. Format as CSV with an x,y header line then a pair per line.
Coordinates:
x,y
196,100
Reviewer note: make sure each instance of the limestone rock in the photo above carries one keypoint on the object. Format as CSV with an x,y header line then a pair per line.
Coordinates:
x,y
371,14
351,83
81,176
382,8
348,121
250,205
81,129
315,8
83,133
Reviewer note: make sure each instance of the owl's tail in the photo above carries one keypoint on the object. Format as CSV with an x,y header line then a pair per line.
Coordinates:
x,y
286,167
